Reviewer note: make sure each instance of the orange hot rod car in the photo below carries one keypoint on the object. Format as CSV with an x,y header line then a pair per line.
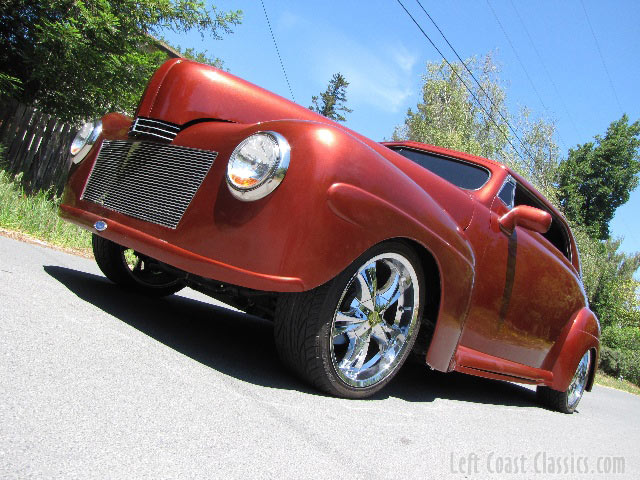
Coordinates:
x,y
363,253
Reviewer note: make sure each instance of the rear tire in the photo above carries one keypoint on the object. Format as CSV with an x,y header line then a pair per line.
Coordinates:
x,y
567,402
348,337
131,270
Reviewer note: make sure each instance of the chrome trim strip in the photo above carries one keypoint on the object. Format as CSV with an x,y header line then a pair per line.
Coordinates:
x,y
143,126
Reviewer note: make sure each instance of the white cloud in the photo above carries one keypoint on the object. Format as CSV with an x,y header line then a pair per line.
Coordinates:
x,y
378,75
403,57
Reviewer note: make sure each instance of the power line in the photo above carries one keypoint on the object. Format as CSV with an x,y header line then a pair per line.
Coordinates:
x,y
277,51
564,105
495,15
472,76
489,117
524,69
601,56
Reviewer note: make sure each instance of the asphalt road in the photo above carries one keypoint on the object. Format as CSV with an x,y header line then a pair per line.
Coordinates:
x,y
99,383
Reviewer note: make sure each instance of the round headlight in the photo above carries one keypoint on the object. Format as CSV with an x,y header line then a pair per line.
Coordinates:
x,y
258,165
84,140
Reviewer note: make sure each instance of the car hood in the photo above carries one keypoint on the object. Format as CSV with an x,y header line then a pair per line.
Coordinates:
x,y
182,91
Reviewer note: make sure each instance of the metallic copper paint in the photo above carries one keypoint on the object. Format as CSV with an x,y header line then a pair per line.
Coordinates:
x,y
526,291
506,311
580,334
478,363
527,217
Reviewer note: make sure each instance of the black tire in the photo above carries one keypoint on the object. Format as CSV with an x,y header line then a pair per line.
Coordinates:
x,y
142,277
567,401
321,336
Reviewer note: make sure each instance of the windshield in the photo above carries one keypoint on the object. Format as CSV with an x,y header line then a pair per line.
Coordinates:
x,y
461,174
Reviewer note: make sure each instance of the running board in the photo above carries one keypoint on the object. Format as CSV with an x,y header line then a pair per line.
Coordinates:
x,y
481,364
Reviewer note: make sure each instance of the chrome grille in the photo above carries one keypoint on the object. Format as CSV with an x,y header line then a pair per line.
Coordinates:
x,y
144,127
150,181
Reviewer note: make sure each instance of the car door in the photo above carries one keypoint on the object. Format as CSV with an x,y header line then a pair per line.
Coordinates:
x,y
526,288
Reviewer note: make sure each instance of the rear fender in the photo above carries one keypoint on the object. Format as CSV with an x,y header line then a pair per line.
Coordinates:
x,y
580,334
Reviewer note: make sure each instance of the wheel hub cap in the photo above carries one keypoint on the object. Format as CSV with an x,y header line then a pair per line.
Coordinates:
x,y
375,319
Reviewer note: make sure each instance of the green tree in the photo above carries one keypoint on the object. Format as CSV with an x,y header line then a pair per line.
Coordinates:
x,y
81,58
201,57
608,280
542,155
475,122
448,114
598,176
333,99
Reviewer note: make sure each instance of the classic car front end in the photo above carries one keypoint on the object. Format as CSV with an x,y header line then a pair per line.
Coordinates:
x,y
359,253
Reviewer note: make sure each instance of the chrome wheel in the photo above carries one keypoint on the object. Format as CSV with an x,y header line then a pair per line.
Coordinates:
x,y
579,381
375,321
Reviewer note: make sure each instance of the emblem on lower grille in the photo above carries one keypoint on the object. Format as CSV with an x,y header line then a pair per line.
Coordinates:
x,y
100,225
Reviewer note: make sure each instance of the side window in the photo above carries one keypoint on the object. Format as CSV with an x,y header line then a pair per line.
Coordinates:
x,y
557,234
507,192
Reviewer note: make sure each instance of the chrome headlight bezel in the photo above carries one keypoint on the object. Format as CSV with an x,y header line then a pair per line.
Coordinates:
x,y
274,174
85,139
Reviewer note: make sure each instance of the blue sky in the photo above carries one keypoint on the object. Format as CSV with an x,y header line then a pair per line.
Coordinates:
x,y
383,55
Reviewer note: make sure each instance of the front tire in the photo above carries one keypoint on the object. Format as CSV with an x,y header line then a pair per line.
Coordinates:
x,y
350,336
131,270
567,402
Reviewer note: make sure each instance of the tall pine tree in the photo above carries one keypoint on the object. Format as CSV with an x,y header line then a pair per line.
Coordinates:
x,y
332,101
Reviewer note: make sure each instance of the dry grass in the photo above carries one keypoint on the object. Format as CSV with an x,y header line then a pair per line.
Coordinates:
x,y
612,382
36,216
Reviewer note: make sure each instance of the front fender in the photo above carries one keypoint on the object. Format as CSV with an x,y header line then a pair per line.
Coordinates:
x,y
447,245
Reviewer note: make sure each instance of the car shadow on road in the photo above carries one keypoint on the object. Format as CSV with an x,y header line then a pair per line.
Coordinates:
x,y
242,345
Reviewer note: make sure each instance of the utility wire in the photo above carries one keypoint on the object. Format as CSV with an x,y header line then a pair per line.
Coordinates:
x,y
489,117
601,56
515,52
472,75
277,51
564,105
504,31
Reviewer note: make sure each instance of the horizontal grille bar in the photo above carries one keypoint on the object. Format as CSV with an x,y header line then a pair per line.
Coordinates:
x,y
150,181
143,127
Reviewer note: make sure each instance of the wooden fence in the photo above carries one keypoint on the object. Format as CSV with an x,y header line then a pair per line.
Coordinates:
x,y
36,145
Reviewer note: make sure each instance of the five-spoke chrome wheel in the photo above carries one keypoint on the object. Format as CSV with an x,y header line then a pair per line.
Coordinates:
x,y
376,315
350,336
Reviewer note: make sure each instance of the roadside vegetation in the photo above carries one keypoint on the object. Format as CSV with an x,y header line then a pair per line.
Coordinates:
x,y
81,59
37,215
617,383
